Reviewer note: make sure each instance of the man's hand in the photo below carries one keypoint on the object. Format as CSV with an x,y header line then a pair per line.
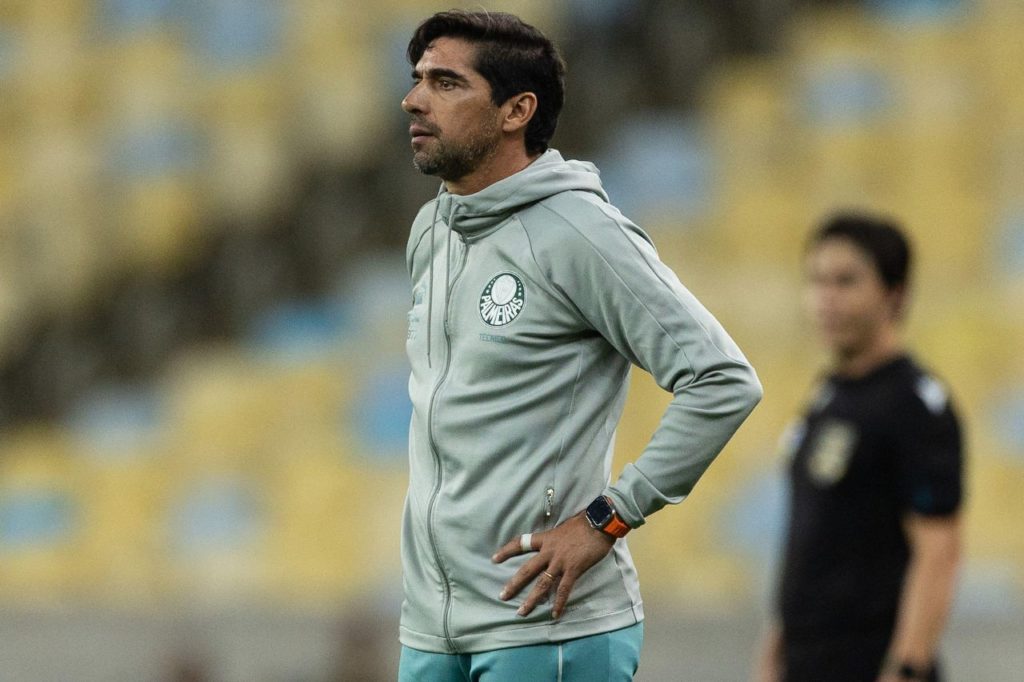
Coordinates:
x,y
564,553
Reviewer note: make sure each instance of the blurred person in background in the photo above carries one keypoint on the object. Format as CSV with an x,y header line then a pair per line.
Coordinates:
x,y
532,295
873,539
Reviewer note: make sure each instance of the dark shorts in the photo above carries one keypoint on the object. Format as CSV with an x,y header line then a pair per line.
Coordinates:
x,y
855,657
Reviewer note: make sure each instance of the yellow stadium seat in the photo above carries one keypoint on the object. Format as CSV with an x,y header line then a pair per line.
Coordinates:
x,y
41,518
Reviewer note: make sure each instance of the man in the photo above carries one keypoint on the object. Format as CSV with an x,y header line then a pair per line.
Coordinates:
x,y
875,471
531,297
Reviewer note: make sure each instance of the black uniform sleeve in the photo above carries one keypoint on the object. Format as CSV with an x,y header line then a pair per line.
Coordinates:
x,y
929,451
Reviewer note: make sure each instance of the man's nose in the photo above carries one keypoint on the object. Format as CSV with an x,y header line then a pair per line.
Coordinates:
x,y
412,102
829,300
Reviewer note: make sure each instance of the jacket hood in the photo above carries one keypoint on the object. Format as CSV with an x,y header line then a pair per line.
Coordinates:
x,y
548,175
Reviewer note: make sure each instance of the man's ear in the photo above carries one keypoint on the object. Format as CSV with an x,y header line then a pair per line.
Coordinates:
x,y
518,111
899,300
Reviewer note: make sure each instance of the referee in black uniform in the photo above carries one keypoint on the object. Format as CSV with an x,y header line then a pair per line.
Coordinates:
x,y
873,538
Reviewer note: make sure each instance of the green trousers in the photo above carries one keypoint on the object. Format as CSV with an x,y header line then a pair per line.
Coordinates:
x,y
607,657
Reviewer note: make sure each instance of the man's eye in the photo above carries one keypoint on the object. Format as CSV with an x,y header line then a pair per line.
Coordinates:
x,y
446,84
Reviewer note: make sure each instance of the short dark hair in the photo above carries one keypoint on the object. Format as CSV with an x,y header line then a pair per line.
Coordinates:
x,y
512,56
880,238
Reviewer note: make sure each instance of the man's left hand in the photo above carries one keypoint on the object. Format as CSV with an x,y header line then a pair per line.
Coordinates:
x,y
564,553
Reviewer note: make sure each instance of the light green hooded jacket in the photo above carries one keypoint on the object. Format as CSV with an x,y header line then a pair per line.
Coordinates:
x,y
530,300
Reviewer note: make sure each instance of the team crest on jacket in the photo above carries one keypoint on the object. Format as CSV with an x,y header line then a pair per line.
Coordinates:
x,y
830,456
502,299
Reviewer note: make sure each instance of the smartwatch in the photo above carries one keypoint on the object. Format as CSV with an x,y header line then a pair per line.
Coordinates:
x,y
601,516
906,671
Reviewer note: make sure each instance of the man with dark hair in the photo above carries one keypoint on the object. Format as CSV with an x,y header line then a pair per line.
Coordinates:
x,y
532,295
875,470
512,57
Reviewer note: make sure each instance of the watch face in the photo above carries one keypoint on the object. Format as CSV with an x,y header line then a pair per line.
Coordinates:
x,y
909,672
599,513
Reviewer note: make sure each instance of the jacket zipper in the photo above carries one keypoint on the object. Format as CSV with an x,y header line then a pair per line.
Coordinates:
x,y
437,457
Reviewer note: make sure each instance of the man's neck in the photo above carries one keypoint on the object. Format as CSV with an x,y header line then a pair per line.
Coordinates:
x,y
861,362
502,164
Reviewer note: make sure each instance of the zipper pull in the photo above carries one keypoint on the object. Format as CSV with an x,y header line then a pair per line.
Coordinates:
x,y
549,494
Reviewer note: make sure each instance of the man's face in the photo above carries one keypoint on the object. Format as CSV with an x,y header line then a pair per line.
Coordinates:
x,y
454,125
846,296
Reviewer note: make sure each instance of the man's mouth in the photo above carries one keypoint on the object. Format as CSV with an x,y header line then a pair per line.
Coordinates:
x,y
419,133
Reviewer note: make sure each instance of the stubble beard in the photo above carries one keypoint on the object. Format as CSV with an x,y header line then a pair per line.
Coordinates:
x,y
454,161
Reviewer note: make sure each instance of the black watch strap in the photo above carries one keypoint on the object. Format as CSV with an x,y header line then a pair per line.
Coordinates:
x,y
906,671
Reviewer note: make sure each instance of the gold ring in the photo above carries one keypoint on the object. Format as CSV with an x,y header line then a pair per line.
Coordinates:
x,y
549,575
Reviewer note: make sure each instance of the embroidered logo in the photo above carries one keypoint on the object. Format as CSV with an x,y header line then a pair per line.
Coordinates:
x,y
833,446
502,299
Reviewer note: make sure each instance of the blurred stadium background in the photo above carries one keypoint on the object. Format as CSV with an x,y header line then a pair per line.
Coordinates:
x,y
203,206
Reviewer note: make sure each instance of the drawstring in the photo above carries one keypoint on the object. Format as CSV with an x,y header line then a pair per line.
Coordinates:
x,y
430,284
448,256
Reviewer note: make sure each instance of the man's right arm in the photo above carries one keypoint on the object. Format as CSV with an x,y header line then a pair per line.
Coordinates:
x,y
768,664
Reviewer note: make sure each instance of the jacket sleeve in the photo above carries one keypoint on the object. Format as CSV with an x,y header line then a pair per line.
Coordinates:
x,y
611,272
